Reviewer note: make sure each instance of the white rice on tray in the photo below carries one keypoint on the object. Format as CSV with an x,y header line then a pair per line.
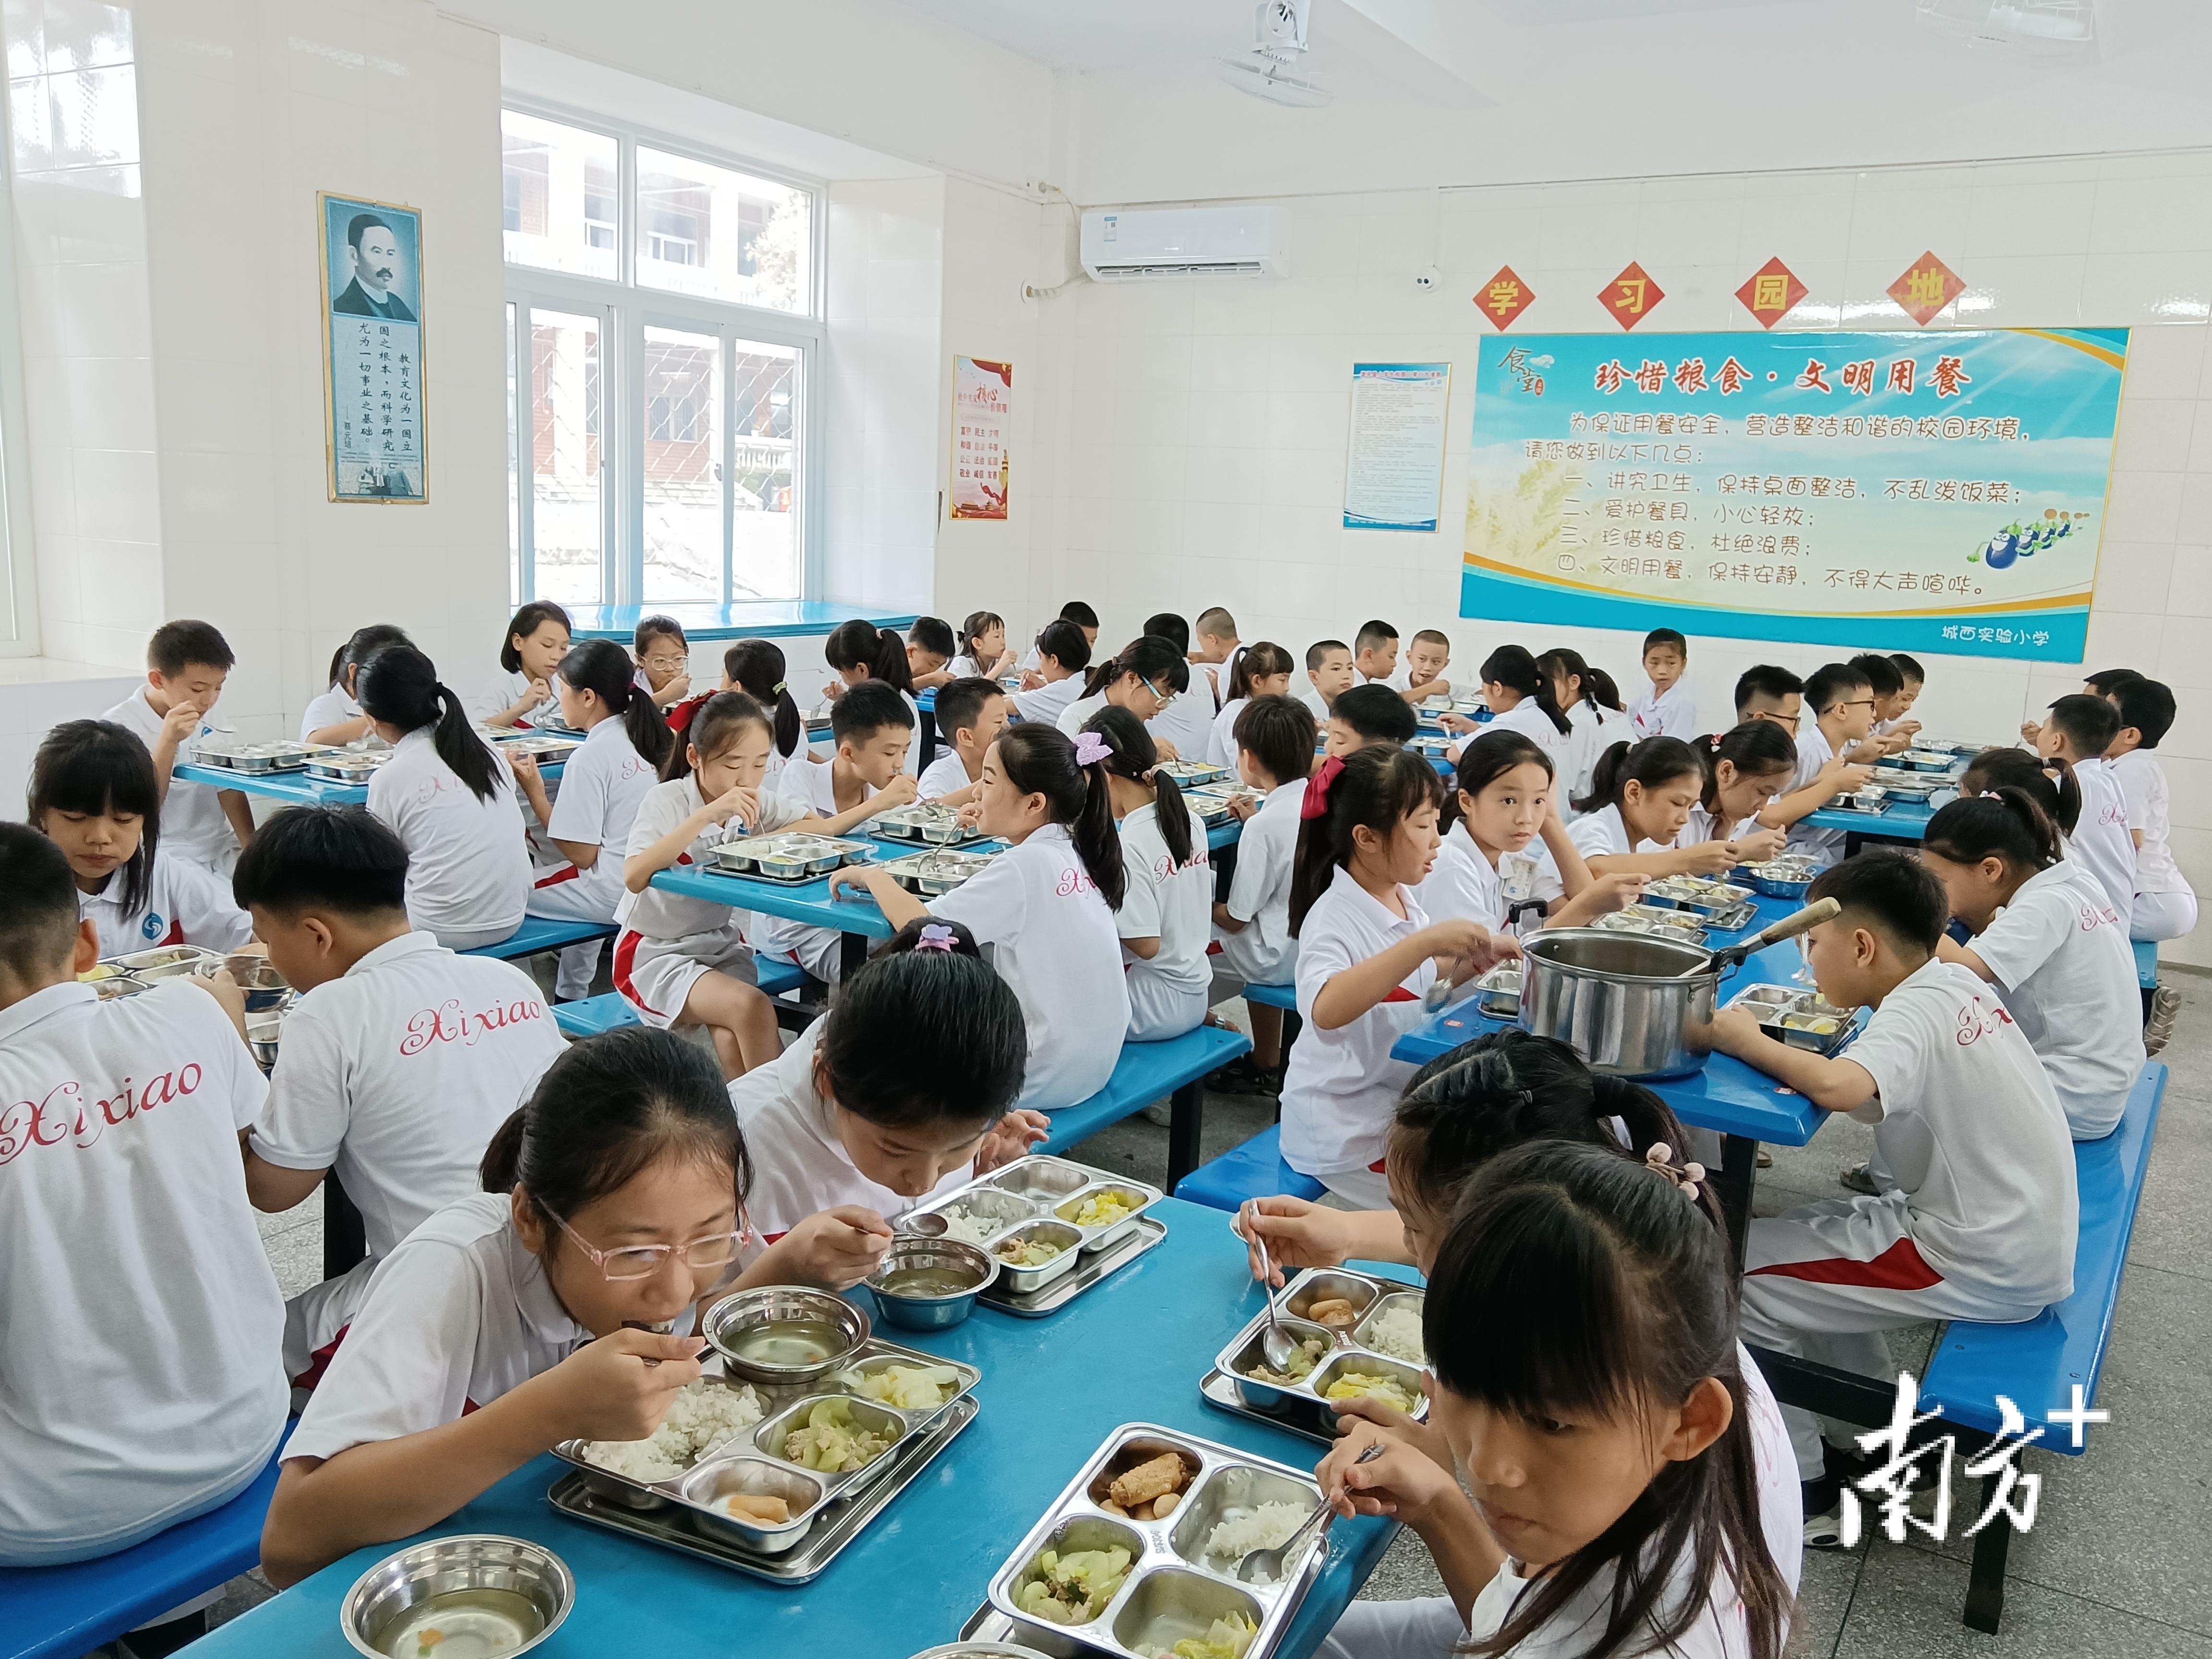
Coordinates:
x,y
1397,1332
1266,1528
960,1223
700,1417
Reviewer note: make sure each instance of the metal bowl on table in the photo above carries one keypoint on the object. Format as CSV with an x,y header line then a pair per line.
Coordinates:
x,y
513,1592
257,977
928,1284
264,1031
782,1334
1618,999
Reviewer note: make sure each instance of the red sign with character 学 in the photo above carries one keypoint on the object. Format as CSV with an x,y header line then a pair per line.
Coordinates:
x,y
1630,296
1772,293
1927,286
1504,297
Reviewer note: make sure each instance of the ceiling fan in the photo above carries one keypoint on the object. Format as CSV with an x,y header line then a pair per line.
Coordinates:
x,y
1267,70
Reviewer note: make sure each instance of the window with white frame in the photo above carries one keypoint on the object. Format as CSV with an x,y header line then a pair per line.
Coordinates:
x,y
663,317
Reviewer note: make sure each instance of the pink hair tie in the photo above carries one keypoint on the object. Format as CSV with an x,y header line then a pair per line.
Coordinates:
x,y
935,937
1659,1159
1091,748
1316,804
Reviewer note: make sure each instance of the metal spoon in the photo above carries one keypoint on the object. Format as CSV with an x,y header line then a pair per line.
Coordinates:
x,y
1797,922
1271,1563
1277,1347
927,1224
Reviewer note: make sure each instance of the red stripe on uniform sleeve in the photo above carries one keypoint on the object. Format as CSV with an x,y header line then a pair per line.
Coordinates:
x,y
1899,1267
566,873
1400,994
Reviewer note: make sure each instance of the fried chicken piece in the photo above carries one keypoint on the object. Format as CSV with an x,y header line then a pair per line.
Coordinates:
x,y
1148,1480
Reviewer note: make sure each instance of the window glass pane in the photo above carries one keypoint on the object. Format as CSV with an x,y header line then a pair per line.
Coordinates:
x,y
723,235
765,545
558,184
682,478
567,525
513,476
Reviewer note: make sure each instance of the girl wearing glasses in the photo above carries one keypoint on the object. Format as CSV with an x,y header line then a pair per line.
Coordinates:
x,y
1149,675
613,1200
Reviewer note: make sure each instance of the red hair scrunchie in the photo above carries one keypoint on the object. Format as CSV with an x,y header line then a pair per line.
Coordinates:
x,y
679,718
1316,804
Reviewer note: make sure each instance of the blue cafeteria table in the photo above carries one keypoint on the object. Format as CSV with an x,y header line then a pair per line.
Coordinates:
x,y
1903,821
296,788
1133,1350
743,620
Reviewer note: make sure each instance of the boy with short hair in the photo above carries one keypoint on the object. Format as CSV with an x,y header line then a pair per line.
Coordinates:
x,y
971,713
1368,714
400,1061
2080,730
141,1381
1061,653
1767,691
1890,725
1329,668
186,664
2166,904
1074,611
1188,721
1914,676
1978,1216
1274,743
929,647
1842,702
1426,659
1216,631
1665,711
872,728
1375,652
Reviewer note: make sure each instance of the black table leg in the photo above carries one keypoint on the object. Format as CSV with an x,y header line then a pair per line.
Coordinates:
x,y
928,736
1186,1118
345,1236
1985,1589
852,951
1739,1171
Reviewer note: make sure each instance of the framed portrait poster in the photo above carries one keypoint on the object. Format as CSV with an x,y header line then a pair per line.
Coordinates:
x,y
375,409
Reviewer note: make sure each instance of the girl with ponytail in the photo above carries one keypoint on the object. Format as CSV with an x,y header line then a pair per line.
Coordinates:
x,y
1148,676
1044,907
452,800
2051,783
861,651
1641,798
603,782
1166,916
982,651
1483,1102
755,667
1262,669
1746,767
1507,860
1522,698
1367,954
1593,707
2047,936
335,718
614,1202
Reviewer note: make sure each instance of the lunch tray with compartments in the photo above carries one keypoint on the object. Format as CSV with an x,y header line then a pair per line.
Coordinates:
x,y
1301,1403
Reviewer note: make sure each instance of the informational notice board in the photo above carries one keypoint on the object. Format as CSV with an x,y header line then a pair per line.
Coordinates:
x,y
1940,492
1393,468
982,450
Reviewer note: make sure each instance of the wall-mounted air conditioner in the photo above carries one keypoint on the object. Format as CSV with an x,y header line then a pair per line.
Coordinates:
x,y
1165,244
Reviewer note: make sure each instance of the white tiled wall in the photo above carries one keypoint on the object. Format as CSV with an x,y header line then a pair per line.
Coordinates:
x,y
1205,426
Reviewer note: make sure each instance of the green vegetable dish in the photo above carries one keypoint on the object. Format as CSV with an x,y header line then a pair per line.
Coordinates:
x,y
831,1442
1073,1588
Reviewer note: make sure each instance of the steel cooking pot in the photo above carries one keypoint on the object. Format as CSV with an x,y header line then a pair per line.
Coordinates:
x,y
1618,999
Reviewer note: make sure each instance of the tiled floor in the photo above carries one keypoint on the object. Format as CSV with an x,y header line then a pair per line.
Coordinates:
x,y
2119,1562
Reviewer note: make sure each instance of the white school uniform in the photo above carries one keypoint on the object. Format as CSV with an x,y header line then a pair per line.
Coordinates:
x,y
2166,904
459,1314
812,788
601,786
508,688
396,1074
1463,885
1174,903
334,707
1605,833
185,904
1596,729
1187,722
468,867
2062,962
139,1383
1263,952
1668,714
193,828
1049,701
1046,929
1532,723
914,758
2101,842
1341,1087
1073,717
1980,1219
667,939
1702,827
800,1166
1813,752
946,774
1221,739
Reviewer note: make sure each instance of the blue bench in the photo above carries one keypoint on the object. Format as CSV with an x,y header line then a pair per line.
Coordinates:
x,y
58,1612
1285,997
2038,1364
611,1011
1254,1169
539,934
1173,1070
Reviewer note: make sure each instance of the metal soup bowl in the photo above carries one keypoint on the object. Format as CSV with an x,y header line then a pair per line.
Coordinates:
x,y
773,1304
1618,1001
931,1313
389,1591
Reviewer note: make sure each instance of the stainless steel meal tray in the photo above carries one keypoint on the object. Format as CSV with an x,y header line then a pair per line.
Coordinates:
x,y
1303,1402
347,765
1782,877
1653,919
1174,1589
1189,774
1439,748
1210,805
926,822
762,1442
786,858
1925,760
167,961
1042,1186
1796,1015
545,746
257,756
1723,904
938,870
1872,798
109,986
1498,993
1903,785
